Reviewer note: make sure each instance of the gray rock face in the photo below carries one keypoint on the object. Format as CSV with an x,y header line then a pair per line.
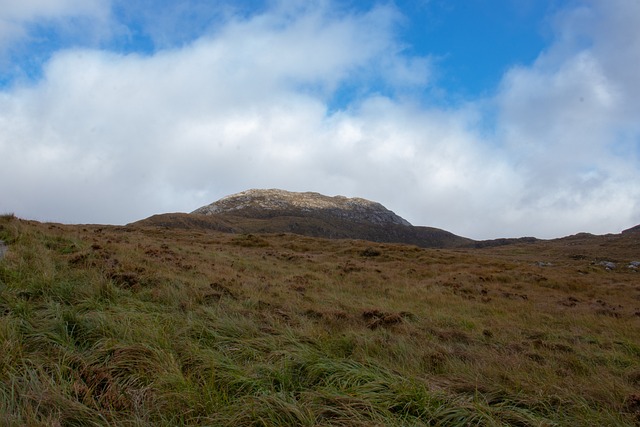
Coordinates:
x,y
265,203
3,249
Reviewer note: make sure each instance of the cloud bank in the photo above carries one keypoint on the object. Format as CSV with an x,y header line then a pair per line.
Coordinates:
x,y
256,101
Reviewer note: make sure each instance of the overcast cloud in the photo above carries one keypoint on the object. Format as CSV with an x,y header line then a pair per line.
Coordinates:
x,y
106,137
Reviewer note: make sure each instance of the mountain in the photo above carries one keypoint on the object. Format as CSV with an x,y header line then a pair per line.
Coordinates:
x,y
309,214
279,203
339,217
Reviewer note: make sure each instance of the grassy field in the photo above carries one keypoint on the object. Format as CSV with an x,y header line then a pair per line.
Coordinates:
x,y
151,326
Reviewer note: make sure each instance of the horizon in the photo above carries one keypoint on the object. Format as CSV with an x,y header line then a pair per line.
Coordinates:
x,y
507,121
330,196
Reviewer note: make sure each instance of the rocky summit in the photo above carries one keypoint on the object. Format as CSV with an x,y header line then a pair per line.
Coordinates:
x,y
273,203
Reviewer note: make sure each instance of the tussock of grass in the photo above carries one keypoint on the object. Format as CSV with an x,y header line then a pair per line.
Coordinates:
x,y
135,326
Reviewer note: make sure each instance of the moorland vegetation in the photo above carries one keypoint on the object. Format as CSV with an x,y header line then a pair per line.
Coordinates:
x,y
147,325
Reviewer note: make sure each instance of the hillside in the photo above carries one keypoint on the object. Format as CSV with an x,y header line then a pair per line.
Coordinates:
x,y
148,325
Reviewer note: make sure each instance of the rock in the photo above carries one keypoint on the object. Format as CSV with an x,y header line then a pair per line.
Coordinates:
x,y
634,265
270,203
3,249
608,265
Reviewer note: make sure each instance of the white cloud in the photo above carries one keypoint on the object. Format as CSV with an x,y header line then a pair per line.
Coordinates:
x,y
105,137
217,114
570,121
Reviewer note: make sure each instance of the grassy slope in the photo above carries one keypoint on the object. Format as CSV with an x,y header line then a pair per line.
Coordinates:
x,y
148,326
313,224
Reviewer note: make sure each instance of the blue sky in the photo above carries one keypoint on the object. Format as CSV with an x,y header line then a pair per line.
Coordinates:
x,y
474,42
487,118
477,41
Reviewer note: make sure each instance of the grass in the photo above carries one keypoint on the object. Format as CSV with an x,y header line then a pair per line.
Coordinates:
x,y
150,326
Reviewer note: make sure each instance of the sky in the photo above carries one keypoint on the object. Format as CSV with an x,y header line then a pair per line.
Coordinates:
x,y
486,118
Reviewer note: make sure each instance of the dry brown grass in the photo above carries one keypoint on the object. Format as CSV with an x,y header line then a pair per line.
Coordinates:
x,y
194,327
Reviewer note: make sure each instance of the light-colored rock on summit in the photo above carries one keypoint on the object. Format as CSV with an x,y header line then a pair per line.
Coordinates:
x,y
273,200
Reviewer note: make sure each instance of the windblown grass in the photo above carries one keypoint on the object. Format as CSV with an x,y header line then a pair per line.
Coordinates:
x,y
150,326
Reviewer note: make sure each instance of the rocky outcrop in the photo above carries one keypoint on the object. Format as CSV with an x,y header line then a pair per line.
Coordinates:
x,y
279,203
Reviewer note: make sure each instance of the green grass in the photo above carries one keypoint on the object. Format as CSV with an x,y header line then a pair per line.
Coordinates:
x,y
143,326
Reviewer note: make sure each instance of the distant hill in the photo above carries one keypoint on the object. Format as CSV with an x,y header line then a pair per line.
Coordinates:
x,y
309,214
317,215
